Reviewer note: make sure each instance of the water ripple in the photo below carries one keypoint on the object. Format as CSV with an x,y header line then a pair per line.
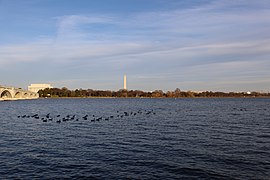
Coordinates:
x,y
135,139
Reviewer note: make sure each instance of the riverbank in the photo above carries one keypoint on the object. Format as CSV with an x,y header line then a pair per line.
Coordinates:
x,y
148,97
122,93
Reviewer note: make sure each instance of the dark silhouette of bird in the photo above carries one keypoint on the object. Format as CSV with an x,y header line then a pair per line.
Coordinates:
x,y
85,117
35,115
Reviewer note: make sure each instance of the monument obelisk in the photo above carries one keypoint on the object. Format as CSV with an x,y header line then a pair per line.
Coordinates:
x,y
125,82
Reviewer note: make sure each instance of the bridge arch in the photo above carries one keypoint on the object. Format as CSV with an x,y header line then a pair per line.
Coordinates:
x,y
18,95
26,95
6,94
33,95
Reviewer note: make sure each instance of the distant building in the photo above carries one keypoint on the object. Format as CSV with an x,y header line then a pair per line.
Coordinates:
x,y
37,87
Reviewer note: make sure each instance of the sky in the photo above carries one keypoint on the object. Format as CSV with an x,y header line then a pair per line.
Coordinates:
x,y
199,45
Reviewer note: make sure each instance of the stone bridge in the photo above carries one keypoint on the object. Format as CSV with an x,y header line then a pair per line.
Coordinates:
x,y
11,93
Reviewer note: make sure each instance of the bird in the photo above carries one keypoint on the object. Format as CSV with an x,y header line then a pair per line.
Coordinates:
x,y
85,117
98,119
35,115
73,117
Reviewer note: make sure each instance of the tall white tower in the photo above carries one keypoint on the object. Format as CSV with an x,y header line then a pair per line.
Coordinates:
x,y
125,82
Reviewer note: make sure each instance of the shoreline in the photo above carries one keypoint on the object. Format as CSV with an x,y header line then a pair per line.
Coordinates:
x,y
147,97
260,97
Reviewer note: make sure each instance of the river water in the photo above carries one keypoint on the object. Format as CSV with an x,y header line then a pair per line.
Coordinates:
x,y
135,139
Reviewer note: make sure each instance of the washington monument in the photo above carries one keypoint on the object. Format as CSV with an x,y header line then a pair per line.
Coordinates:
x,y
125,82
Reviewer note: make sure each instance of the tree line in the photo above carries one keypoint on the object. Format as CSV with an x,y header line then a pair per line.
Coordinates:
x,y
177,93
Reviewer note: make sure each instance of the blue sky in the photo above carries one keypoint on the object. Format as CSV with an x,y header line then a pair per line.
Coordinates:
x,y
218,45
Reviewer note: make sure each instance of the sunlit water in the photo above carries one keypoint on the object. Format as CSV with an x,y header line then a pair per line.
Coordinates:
x,y
155,139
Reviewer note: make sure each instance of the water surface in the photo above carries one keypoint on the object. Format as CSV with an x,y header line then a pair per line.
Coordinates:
x,y
135,139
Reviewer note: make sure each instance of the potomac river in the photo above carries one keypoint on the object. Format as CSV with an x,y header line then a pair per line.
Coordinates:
x,y
217,138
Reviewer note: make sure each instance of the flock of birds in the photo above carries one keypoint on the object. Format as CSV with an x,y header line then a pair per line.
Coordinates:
x,y
93,118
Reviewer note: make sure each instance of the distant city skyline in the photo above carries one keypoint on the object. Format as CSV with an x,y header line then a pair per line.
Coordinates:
x,y
215,45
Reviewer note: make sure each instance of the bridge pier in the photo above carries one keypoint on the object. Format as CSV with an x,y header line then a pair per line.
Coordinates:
x,y
11,93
